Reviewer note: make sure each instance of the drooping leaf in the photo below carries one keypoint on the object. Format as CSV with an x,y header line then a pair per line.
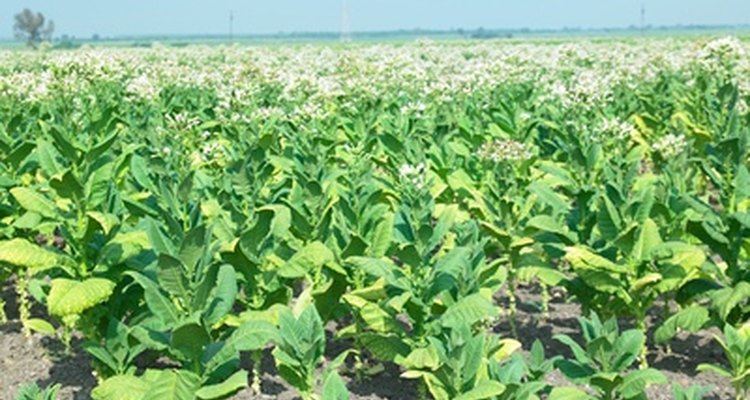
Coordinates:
x,y
30,200
70,297
21,253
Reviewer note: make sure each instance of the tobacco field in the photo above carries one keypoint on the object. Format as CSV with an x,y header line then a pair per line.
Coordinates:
x,y
196,221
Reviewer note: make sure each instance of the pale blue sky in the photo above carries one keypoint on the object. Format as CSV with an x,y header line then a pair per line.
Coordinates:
x,y
82,18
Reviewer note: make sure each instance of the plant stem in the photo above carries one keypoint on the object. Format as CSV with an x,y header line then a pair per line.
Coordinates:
x,y
3,316
664,317
24,306
545,302
422,390
641,325
512,308
255,387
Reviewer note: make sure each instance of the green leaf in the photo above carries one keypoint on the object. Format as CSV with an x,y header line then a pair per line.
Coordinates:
x,y
575,371
310,258
382,236
334,388
120,387
422,358
581,258
690,319
193,246
173,385
568,393
715,369
253,335
39,325
636,382
171,275
234,383
384,347
69,297
223,296
123,247
547,195
107,222
627,347
484,390
468,311
190,339
648,240
32,201
578,352
20,253
159,305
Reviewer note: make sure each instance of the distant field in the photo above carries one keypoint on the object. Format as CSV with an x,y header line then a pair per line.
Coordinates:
x,y
513,219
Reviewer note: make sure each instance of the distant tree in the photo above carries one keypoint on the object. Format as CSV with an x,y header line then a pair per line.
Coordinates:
x,y
31,27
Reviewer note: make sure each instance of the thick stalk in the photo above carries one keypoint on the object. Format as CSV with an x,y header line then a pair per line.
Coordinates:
x,y
24,305
255,386
545,302
422,390
641,325
664,317
512,307
3,316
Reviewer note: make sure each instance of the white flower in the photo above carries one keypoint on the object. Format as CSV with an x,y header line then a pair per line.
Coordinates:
x,y
504,150
142,88
670,145
414,175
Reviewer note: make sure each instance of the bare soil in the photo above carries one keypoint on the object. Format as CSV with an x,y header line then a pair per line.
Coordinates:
x,y
42,360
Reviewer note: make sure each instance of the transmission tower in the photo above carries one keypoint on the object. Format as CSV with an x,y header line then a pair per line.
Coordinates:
x,y
643,19
346,34
231,26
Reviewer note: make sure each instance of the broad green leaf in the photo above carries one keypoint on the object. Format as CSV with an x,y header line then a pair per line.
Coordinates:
x,y
581,258
334,388
715,370
172,277
173,385
123,247
234,383
382,236
310,258
190,339
40,325
223,295
121,387
568,393
20,253
69,297
483,390
31,200
384,347
636,382
690,319
648,240
159,304
468,311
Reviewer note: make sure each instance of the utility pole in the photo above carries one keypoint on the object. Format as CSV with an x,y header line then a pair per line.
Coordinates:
x,y
231,26
643,19
345,25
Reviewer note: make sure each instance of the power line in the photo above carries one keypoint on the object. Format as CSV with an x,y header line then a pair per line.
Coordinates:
x,y
346,35
231,26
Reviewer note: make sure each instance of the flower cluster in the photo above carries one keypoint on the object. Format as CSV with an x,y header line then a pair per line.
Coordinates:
x,y
141,88
504,150
614,128
670,145
413,174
